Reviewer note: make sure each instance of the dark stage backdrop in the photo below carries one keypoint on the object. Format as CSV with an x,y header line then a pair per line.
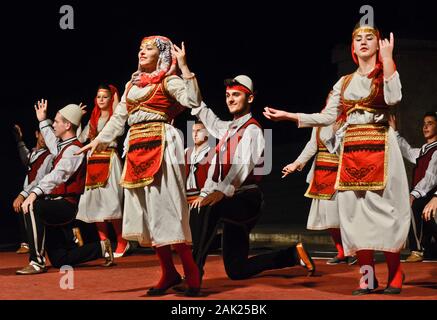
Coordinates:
x,y
284,46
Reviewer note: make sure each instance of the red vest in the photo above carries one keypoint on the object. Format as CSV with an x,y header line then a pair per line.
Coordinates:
x,y
75,185
202,167
422,163
225,158
35,165
156,101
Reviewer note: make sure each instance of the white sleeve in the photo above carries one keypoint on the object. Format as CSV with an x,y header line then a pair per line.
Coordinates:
x,y
393,89
247,155
65,168
409,153
185,91
429,181
216,127
24,153
328,115
115,126
310,149
43,170
49,136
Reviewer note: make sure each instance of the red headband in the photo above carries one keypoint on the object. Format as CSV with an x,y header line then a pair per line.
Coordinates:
x,y
239,87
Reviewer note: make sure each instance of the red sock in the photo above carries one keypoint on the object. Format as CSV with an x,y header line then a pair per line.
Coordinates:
x,y
365,258
192,275
394,269
102,228
336,236
169,273
121,243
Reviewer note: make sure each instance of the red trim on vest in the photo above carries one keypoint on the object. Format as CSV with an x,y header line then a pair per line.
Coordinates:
x,y
422,163
225,158
202,167
75,185
34,166
158,100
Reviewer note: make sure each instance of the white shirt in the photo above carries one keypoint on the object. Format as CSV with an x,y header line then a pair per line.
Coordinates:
x,y
67,165
29,157
247,153
196,157
429,181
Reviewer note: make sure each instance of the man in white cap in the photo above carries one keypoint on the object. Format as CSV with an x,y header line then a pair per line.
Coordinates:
x,y
231,193
53,202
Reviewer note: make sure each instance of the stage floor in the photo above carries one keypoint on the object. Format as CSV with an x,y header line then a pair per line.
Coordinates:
x,y
134,274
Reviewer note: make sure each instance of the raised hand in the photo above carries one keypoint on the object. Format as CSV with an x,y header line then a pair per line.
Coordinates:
x,y
180,54
182,60
41,110
82,108
386,48
18,133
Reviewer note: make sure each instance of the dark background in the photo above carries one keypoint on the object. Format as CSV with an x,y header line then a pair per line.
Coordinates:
x,y
283,46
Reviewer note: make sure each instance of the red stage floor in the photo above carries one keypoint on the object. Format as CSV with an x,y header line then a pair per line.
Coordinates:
x,y
132,276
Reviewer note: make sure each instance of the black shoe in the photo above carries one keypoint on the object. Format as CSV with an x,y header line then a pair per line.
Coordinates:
x,y
361,292
352,260
336,260
192,292
305,259
162,291
394,290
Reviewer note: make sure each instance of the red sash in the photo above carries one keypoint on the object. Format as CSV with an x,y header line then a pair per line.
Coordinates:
x,y
98,169
363,163
325,173
145,153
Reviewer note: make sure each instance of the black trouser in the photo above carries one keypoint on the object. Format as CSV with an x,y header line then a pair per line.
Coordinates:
x,y
62,250
56,215
23,233
239,215
419,236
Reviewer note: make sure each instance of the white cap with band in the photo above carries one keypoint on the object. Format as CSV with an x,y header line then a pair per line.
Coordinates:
x,y
72,112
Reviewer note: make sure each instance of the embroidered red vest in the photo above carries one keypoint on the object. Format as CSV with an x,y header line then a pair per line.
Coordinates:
x,y
35,165
157,100
74,186
225,158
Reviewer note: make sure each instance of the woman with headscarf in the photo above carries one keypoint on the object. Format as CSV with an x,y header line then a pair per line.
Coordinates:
x,y
103,197
373,196
156,210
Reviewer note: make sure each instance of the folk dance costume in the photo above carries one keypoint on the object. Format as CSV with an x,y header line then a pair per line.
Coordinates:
x,y
236,171
103,197
59,192
38,163
373,197
321,179
424,185
155,206
197,166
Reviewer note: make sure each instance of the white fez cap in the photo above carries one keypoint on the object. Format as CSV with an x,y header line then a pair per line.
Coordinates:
x,y
72,112
241,79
